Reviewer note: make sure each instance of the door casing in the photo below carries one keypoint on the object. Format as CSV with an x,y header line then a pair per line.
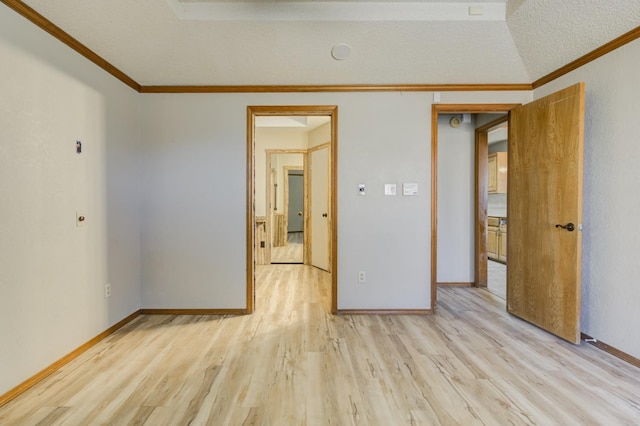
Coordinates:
x,y
269,192
288,110
480,200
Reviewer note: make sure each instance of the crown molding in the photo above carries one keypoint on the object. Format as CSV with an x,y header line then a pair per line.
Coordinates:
x,y
338,88
625,38
40,21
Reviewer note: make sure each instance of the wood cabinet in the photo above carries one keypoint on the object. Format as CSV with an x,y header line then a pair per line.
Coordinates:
x,y
502,243
497,239
497,173
492,237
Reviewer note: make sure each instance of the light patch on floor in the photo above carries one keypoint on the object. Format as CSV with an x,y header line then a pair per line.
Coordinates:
x,y
292,252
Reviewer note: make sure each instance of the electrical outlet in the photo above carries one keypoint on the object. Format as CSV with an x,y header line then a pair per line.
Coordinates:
x,y
362,277
107,291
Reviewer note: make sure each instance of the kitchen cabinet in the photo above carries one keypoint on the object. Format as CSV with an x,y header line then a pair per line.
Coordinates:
x,y
497,238
497,173
502,243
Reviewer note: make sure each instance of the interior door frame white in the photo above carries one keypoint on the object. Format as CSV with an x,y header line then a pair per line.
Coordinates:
x,y
288,110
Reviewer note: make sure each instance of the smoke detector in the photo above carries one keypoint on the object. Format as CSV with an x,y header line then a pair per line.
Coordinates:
x,y
341,51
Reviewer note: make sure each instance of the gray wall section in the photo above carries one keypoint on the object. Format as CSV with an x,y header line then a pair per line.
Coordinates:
x,y
53,273
456,180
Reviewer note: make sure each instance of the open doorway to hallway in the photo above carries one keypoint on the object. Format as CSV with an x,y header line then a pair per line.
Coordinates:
x,y
467,246
291,156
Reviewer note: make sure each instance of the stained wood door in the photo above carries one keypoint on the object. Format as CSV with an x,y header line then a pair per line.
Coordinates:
x,y
319,208
545,190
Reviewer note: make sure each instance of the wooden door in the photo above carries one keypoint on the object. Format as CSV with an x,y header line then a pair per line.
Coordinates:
x,y
545,190
319,208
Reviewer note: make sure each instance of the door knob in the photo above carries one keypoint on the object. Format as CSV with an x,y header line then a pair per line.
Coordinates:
x,y
569,226
324,215
299,213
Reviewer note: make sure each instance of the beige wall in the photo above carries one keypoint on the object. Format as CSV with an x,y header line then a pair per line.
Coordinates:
x,y
272,138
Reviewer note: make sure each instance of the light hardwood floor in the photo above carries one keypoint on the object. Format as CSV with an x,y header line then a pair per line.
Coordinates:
x,y
292,363
292,252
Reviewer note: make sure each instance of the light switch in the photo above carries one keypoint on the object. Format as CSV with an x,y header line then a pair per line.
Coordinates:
x,y
389,189
409,189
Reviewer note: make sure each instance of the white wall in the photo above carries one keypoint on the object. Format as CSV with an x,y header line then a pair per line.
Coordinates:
x,y
610,268
193,234
456,180
320,135
52,273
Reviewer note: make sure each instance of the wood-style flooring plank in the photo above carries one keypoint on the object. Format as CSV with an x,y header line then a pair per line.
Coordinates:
x,y
293,363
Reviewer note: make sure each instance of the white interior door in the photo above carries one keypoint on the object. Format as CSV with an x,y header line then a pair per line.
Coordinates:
x,y
319,208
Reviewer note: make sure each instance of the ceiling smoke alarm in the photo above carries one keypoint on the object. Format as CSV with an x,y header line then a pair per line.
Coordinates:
x,y
341,51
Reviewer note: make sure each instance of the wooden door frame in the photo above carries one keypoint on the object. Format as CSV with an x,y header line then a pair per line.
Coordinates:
x,y
285,194
480,185
481,199
289,110
269,193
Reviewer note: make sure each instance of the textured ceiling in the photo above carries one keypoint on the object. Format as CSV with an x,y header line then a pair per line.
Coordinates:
x,y
167,42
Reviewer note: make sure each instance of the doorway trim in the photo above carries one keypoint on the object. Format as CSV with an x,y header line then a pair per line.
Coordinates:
x,y
480,212
481,199
269,194
288,110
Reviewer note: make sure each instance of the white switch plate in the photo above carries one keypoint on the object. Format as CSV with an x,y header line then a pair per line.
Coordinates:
x,y
436,97
389,189
361,188
409,189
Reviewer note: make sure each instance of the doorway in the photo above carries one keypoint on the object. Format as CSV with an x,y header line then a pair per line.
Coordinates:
x,y
260,222
546,139
480,198
491,141
286,206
